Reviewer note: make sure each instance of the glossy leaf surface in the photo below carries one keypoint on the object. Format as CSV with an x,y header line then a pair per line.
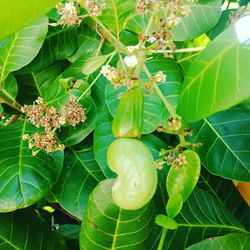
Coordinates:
x,y
79,176
24,178
233,241
106,226
208,87
183,179
20,49
16,14
203,16
225,139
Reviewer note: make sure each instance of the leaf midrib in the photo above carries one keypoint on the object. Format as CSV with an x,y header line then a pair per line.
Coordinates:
x,y
212,226
226,145
8,54
8,242
20,160
193,80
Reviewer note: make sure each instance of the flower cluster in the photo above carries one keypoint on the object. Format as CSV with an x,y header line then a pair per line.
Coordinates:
x,y
176,161
69,13
160,77
166,15
95,7
51,119
174,123
122,77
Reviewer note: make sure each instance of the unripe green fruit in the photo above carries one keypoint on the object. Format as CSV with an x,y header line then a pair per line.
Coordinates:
x,y
137,175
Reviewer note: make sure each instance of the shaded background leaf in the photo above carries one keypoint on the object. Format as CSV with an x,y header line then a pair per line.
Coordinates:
x,y
24,230
79,176
24,178
233,241
203,16
225,143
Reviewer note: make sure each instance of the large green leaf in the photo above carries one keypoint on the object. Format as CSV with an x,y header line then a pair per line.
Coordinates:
x,y
233,241
23,230
154,111
226,193
59,44
120,10
79,176
106,226
221,67
24,179
103,137
225,139
16,14
88,43
201,217
203,16
31,85
21,48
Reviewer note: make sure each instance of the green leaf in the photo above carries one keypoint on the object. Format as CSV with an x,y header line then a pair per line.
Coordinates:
x,y
165,222
226,193
103,137
21,48
69,231
225,139
202,216
94,63
70,136
207,83
79,176
16,14
153,105
106,226
88,43
222,24
184,178
9,87
203,16
1,108
23,230
24,178
120,10
32,85
174,205
59,44
233,241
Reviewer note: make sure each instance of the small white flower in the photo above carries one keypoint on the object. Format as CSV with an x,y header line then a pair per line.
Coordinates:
x,y
133,49
105,70
70,8
131,61
151,39
160,77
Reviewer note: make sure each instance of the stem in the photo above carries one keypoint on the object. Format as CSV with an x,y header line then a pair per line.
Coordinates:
x,y
163,236
188,57
7,99
97,77
184,50
164,100
120,47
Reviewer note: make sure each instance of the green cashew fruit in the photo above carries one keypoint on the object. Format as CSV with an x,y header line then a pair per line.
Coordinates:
x,y
137,176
